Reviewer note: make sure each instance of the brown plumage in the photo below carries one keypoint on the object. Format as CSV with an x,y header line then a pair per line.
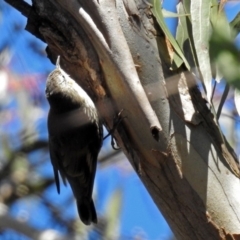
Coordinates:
x,y
75,139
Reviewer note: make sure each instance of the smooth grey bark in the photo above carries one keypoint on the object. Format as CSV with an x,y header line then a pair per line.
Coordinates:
x,y
118,54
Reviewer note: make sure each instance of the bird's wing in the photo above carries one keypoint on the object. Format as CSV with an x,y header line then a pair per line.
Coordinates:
x,y
55,160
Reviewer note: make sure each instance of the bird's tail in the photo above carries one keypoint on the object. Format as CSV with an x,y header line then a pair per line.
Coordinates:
x,y
86,211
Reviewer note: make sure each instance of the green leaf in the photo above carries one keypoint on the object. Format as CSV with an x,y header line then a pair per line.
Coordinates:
x,y
215,14
237,100
112,214
201,29
223,51
184,34
235,25
179,57
168,14
226,55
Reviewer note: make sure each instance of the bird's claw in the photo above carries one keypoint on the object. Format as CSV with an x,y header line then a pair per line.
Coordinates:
x,y
116,121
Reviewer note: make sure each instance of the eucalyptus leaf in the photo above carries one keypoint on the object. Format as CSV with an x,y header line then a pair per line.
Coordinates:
x,y
184,35
112,214
237,100
157,12
168,14
226,55
200,15
235,25
214,17
223,51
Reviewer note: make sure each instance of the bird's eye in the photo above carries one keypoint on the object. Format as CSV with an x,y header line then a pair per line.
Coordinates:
x,y
63,79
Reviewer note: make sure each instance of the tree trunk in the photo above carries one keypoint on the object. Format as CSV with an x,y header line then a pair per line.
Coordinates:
x,y
119,55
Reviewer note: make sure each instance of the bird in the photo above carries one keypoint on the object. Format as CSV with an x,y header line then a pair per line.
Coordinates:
x,y
75,139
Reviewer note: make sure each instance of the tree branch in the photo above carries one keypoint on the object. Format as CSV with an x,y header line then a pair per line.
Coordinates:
x,y
23,7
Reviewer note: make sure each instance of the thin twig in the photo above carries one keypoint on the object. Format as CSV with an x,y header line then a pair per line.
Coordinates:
x,y
223,99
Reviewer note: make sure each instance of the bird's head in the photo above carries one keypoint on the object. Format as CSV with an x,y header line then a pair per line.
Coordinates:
x,y
58,82
63,93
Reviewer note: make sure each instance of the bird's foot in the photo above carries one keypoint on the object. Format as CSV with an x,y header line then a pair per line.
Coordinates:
x,y
116,121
